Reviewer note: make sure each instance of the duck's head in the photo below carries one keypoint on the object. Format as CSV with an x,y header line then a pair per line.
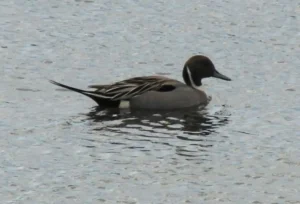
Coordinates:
x,y
199,67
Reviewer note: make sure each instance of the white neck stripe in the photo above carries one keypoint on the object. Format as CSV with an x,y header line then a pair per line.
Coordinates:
x,y
190,77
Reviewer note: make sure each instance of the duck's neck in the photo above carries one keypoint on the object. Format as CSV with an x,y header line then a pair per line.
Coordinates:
x,y
189,79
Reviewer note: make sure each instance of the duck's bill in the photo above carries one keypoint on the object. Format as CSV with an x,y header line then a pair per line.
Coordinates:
x,y
221,76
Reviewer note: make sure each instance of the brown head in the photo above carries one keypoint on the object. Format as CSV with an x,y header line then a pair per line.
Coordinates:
x,y
199,67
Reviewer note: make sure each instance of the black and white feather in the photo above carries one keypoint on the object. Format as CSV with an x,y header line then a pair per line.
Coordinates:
x,y
123,90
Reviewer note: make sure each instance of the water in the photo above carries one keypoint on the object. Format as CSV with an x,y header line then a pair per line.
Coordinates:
x,y
242,148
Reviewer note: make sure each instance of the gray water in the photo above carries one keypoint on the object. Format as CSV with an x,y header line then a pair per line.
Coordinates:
x,y
242,148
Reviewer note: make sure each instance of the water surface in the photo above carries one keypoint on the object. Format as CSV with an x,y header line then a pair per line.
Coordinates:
x,y
57,148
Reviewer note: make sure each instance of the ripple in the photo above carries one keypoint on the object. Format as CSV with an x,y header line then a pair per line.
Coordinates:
x,y
190,134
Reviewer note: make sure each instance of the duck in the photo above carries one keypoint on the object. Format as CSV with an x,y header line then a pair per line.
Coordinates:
x,y
156,92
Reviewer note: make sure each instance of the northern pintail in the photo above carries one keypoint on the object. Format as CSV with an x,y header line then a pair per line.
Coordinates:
x,y
156,92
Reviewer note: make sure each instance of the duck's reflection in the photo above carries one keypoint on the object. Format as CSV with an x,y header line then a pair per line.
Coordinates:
x,y
190,132
193,121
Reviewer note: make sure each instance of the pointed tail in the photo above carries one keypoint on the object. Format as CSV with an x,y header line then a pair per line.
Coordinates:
x,y
68,87
92,94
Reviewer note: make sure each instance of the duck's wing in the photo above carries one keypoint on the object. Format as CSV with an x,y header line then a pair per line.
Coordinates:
x,y
133,87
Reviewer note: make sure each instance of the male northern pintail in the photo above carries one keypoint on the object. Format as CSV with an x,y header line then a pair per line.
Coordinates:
x,y
156,92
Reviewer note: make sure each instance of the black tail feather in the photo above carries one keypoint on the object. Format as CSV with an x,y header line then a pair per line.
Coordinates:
x,y
69,87
97,97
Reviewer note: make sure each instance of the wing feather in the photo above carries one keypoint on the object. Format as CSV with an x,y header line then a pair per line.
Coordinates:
x,y
130,88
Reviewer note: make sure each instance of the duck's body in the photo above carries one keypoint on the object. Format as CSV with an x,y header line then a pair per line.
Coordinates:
x,y
156,92
181,97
